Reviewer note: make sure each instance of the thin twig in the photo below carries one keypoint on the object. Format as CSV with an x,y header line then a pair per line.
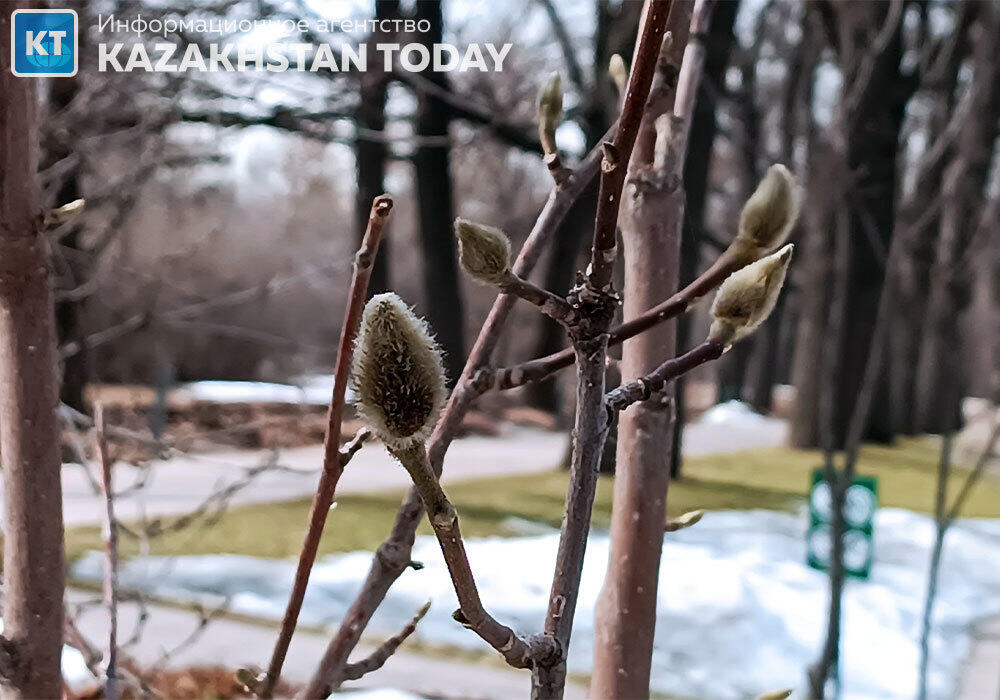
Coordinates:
x,y
618,151
642,388
332,465
377,658
111,555
444,520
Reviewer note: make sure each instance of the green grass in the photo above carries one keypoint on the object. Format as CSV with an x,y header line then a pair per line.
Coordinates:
x,y
774,479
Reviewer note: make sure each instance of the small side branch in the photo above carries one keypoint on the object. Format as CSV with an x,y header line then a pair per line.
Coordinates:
x,y
642,388
552,305
504,378
377,658
443,517
333,460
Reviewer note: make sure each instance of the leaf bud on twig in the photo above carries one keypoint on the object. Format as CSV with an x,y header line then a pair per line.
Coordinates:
x,y
550,112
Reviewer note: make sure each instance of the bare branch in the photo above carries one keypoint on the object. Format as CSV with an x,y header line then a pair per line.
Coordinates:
x,y
377,658
332,461
642,388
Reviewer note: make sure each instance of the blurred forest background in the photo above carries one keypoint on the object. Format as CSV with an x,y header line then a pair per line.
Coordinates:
x,y
223,208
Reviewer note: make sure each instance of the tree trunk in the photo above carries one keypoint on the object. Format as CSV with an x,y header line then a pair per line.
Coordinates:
x,y
873,127
371,153
921,226
432,164
29,396
651,221
941,383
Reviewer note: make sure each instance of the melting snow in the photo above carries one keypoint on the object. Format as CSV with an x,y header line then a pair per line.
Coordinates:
x,y
739,612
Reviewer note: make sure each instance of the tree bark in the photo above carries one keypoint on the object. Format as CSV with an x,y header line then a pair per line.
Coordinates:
x,y
872,129
941,381
432,164
371,154
697,166
29,397
919,222
651,222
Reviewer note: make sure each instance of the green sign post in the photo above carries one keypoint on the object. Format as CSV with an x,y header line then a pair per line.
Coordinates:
x,y
860,503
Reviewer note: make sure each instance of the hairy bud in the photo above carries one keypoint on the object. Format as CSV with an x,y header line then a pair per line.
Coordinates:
x,y
550,112
769,215
484,251
687,520
618,71
398,375
776,695
747,297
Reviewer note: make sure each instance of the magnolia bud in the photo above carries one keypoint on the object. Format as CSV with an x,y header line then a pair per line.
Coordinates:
x,y
484,251
776,695
550,112
748,296
398,375
618,71
686,520
769,215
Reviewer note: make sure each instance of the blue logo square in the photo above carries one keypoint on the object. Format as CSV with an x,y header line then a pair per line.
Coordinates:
x,y
43,43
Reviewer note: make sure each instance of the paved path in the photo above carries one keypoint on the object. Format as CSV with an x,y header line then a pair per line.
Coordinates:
x,y
180,484
235,644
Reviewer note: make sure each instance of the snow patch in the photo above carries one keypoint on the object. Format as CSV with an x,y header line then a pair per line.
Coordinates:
x,y
738,613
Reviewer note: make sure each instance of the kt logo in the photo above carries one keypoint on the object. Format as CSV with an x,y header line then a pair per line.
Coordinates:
x,y
43,43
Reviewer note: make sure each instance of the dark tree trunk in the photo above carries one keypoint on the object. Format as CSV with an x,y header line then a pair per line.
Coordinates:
x,y
371,153
696,171
872,141
33,566
432,164
941,381
921,225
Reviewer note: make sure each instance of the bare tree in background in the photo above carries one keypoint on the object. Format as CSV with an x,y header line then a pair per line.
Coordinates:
x,y
31,645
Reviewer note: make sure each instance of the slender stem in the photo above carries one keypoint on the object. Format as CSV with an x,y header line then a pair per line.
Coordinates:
x,y
590,431
642,388
504,378
553,306
444,519
332,460
377,658
393,555
618,151
111,556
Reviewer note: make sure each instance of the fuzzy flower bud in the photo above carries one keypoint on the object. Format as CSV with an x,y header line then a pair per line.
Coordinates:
x,y
484,251
618,71
747,297
769,215
398,375
550,112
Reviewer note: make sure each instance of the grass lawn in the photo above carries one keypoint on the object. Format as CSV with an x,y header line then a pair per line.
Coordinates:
x,y
774,479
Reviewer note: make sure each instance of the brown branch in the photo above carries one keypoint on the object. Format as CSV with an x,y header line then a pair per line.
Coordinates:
x,y
377,658
552,305
444,520
111,555
332,465
618,151
393,555
504,378
642,388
